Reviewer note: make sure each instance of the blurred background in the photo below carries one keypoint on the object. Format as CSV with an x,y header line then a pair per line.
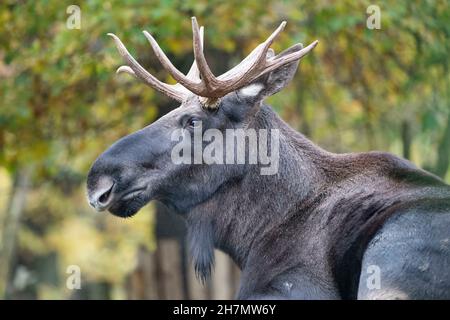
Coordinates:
x,y
61,105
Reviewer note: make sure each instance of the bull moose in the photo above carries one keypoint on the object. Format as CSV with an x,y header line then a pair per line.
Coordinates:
x,y
317,228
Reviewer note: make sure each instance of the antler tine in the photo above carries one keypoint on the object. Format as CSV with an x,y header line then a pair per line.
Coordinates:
x,y
277,62
126,69
251,65
266,44
135,69
208,79
194,73
167,64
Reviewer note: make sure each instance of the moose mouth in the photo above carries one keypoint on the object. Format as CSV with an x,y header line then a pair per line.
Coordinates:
x,y
129,203
132,194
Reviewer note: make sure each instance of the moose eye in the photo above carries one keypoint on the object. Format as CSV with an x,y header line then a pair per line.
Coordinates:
x,y
193,123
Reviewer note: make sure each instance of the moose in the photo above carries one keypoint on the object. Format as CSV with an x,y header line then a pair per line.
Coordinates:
x,y
321,227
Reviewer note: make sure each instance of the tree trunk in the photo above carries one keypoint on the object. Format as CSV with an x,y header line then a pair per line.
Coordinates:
x,y
406,139
443,159
11,225
222,277
142,282
300,106
169,270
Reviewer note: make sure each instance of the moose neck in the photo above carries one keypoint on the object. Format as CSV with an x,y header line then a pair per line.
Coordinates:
x,y
244,208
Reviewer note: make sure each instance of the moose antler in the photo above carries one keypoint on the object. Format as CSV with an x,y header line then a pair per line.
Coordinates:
x,y
200,80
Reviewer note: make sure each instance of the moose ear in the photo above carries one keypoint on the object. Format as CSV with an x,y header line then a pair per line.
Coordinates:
x,y
274,81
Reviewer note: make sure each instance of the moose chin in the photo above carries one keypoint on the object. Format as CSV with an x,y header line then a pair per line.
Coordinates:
x,y
316,229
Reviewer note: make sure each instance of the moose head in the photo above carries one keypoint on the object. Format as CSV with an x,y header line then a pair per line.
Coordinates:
x,y
139,168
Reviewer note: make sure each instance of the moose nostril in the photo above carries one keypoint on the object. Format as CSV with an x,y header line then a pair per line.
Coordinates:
x,y
103,199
